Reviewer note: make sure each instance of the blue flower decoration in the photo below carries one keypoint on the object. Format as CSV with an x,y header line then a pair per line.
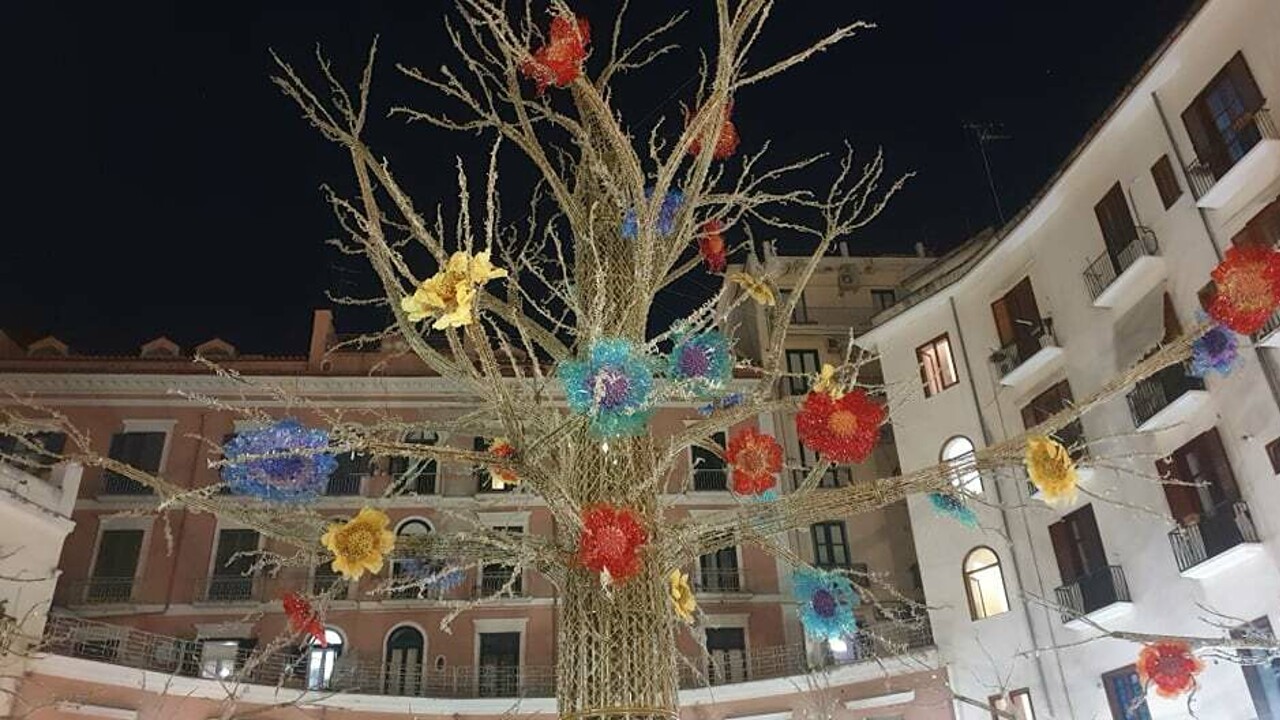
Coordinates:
x,y
1217,350
953,507
703,363
286,478
666,215
826,602
613,387
720,403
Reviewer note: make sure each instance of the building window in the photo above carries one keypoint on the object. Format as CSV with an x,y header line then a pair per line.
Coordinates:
x,y
1166,181
141,450
937,366
321,660
402,569
1050,403
984,583
709,471
801,313
415,475
718,571
486,481
883,299
1125,694
218,658
348,477
499,664
115,566
495,576
1017,702
1119,232
958,452
1261,673
727,651
801,365
1263,230
229,581
405,648
1221,121
1018,323
1205,483
830,545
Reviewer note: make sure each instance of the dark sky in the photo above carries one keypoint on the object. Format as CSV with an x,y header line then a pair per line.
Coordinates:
x,y
158,183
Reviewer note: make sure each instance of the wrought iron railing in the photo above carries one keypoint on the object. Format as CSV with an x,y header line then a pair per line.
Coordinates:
x,y
1153,394
114,484
721,580
1248,131
344,484
835,477
1009,357
102,591
1210,535
493,580
229,589
1104,270
289,667
1092,591
1272,324
710,479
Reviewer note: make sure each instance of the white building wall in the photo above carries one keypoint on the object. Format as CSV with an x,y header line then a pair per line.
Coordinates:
x,y
1053,245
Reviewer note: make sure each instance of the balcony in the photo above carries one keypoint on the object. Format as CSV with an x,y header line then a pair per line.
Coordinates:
x,y
1021,365
721,580
710,479
494,579
1233,177
835,477
228,589
1267,336
1215,541
115,484
344,484
825,319
1096,597
1121,280
102,591
1167,398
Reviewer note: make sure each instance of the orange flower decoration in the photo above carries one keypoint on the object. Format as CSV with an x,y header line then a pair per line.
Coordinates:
x,y
559,62
502,449
844,429
303,618
611,540
756,458
726,141
1170,666
711,246
1248,288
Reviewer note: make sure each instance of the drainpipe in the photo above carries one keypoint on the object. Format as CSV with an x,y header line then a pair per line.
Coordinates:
x,y
1268,372
987,440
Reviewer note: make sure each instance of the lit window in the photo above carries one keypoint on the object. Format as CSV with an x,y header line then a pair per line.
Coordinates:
x,y
937,366
958,452
985,583
321,660
218,658
1017,703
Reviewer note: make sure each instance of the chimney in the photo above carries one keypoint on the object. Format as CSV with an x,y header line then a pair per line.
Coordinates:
x,y
844,248
920,251
321,333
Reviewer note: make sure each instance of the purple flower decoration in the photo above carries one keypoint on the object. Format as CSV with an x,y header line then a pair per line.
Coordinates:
x,y
1217,350
825,601
612,386
671,204
293,470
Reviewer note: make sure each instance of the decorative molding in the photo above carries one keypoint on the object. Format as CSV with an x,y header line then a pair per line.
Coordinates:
x,y
881,701
101,711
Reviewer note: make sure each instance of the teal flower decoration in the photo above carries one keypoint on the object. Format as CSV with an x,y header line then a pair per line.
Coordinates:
x,y
703,363
825,602
948,505
612,386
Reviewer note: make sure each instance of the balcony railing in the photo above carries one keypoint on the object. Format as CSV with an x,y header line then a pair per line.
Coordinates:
x,y
228,589
1153,394
344,484
1249,130
113,484
721,580
1093,591
1103,271
843,317
834,477
125,646
493,580
1272,324
1011,356
1212,534
102,591
710,479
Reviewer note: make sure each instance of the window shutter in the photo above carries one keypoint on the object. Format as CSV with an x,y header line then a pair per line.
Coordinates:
x,y
1068,566
150,446
1113,216
1004,320
118,443
1237,70
1199,129
1095,556
1183,501
1211,445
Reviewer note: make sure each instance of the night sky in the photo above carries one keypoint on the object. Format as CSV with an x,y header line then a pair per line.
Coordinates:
x,y
159,184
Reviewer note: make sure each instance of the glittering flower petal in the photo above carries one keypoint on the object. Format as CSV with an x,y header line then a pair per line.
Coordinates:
x,y
296,472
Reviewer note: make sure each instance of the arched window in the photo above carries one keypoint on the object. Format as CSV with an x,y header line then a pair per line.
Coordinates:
x,y
321,660
984,582
404,661
959,451
410,567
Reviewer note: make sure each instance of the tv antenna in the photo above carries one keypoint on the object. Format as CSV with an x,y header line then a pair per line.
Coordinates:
x,y
987,132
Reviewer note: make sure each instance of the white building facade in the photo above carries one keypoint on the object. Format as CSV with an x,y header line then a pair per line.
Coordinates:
x,y
1112,257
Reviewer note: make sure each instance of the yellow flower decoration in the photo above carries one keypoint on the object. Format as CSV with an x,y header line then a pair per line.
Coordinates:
x,y
359,544
1052,470
449,294
758,289
682,596
827,382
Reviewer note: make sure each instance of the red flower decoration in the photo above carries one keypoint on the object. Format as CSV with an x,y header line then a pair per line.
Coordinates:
x,y
844,429
1248,288
502,449
1170,666
559,62
303,618
711,245
756,458
726,141
611,540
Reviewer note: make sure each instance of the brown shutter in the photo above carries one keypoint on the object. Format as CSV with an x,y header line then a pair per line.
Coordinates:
x,y
1113,216
1004,320
1094,555
1200,130
1211,445
1183,501
1068,565
1237,70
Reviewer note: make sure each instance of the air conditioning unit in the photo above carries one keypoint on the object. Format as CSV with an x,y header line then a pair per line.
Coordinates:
x,y
847,278
835,345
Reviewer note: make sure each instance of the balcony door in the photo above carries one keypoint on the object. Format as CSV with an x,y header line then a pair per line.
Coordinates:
x,y
1220,121
1118,229
1082,561
1205,485
727,648
499,664
709,470
229,581
1018,319
719,570
495,576
115,566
